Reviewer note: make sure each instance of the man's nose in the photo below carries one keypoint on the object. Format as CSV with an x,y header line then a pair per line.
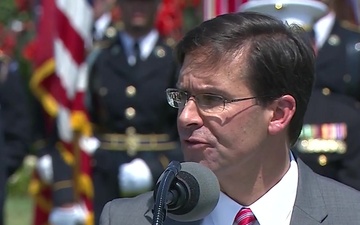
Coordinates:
x,y
189,114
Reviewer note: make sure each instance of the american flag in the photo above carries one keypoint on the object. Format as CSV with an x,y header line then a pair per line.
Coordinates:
x,y
213,8
59,81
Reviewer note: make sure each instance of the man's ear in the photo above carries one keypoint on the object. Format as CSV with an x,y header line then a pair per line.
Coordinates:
x,y
284,110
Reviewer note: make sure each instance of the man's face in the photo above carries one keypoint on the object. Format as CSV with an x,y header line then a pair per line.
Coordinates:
x,y
102,6
139,13
229,140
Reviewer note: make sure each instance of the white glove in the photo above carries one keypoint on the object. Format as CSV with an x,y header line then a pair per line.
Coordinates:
x,y
89,144
134,178
74,215
44,168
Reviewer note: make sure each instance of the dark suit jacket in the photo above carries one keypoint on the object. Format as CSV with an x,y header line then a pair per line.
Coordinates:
x,y
110,78
319,200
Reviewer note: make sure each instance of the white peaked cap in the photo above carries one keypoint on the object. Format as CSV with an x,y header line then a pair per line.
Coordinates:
x,y
301,12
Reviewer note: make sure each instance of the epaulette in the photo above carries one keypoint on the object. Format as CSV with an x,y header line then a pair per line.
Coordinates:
x,y
104,43
170,42
350,26
110,36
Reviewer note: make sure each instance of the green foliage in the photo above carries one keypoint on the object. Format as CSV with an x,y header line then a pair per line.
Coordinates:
x,y
18,210
7,11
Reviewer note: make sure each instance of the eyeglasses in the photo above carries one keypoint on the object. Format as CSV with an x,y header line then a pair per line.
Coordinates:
x,y
209,103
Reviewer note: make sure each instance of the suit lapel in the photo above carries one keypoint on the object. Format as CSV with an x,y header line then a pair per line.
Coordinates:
x,y
309,208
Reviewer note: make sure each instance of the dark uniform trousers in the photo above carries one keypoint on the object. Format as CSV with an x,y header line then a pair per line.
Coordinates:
x,y
131,117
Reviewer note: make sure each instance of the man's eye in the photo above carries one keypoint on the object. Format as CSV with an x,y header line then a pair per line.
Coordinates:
x,y
210,100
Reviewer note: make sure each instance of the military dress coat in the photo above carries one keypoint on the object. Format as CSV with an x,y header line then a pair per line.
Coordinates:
x,y
330,142
14,124
130,114
338,61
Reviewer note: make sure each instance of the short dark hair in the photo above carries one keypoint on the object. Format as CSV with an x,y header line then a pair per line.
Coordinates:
x,y
279,60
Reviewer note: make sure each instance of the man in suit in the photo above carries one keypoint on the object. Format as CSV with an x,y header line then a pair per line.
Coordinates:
x,y
135,127
329,141
14,123
242,93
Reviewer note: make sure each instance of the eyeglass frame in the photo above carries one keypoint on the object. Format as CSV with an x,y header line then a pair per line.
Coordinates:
x,y
188,96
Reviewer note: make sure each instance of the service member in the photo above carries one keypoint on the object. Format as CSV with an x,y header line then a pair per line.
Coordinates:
x,y
330,141
14,123
132,121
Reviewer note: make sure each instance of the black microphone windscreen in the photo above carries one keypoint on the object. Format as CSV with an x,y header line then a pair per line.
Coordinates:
x,y
204,191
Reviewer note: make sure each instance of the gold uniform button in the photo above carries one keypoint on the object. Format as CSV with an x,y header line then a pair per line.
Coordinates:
x,y
357,105
171,42
103,91
130,131
160,52
347,78
110,32
130,113
130,91
326,91
334,40
322,160
357,46
278,6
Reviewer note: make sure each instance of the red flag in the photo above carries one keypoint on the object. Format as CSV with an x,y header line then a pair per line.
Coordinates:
x,y
59,80
213,8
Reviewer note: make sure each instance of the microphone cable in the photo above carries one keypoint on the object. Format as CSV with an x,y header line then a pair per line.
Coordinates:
x,y
163,188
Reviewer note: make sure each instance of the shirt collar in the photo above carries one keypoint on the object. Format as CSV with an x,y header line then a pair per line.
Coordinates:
x,y
275,207
146,43
323,27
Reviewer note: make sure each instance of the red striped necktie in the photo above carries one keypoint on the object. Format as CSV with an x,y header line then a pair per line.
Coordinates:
x,y
244,217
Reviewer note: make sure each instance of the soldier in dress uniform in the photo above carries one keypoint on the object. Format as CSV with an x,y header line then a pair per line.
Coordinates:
x,y
135,128
14,123
330,142
338,53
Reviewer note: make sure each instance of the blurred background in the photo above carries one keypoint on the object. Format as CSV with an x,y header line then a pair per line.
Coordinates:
x,y
19,25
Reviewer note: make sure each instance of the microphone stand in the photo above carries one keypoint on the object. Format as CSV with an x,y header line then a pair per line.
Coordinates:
x,y
160,207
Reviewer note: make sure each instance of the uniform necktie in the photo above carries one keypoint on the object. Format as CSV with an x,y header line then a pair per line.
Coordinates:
x,y
244,217
137,52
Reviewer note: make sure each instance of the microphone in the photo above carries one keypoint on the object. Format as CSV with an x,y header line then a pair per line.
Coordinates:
x,y
192,194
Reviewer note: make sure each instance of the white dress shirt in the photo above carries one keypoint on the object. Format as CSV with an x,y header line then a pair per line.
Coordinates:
x,y
273,208
146,45
322,29
100,26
